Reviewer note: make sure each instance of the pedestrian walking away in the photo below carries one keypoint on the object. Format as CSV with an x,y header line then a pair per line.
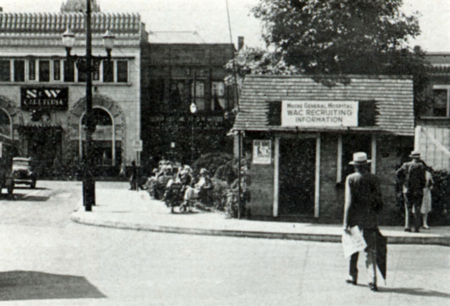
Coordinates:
x,y
413,179
363,203
133,178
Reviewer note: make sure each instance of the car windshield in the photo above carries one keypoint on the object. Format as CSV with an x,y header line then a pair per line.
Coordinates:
x,y
20,163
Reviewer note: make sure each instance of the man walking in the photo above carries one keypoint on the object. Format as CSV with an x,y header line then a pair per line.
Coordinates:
x,y
363,202
412,175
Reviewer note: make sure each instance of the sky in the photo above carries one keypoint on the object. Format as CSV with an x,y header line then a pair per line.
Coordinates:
x,y
209,18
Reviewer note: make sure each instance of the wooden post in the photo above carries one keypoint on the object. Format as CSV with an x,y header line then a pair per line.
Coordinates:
x,y
276,181
373,165
317,179
339,160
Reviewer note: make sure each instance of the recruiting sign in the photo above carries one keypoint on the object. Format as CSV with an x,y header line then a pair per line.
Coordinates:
x,y
319,113
262,151
44,98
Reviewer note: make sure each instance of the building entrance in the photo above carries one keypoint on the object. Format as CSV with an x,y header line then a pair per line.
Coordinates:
x,y
297,176
43,145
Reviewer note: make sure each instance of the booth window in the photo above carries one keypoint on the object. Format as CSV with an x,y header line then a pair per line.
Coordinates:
x,y
69,71
19,71
44,71
57,70
5,70
32,69
122,71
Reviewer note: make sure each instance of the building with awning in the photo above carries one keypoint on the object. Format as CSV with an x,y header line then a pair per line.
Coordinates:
x,y
301,133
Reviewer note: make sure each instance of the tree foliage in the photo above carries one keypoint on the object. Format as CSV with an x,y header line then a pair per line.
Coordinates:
x,y
336,37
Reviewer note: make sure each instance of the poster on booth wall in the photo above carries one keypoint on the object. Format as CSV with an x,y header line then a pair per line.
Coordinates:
x,y
262,151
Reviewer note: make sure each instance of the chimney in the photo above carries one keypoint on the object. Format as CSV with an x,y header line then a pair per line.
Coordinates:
x,y
240,42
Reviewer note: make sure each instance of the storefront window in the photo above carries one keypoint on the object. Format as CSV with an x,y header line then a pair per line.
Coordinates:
x,y
19,71
440,102
108,71
5,70
122,71
198,91
44,71
31,70
218,96
57,70
69,71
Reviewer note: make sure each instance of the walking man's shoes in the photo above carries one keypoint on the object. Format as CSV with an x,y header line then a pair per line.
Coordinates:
x,y
407,230
351,281
373,287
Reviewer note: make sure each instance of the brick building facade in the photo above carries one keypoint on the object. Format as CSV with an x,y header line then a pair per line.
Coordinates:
x,y
180,69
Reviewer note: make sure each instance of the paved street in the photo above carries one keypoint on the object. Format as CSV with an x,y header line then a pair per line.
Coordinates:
x,y
48,260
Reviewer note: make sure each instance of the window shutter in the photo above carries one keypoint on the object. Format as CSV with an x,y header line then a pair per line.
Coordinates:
x,y
274,113
367,113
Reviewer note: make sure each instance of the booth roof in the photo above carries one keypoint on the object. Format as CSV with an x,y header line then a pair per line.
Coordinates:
x,y
392,95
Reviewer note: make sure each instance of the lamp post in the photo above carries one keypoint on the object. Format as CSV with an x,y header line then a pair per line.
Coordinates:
x,y
193,110
85,64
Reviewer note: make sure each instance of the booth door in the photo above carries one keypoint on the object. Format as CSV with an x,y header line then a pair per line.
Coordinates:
x,y
297,176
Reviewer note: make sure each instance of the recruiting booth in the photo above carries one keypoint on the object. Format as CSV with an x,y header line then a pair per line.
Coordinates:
x,y
302,131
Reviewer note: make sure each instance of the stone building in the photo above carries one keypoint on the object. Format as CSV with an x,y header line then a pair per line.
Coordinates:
x,y
301,133
42,93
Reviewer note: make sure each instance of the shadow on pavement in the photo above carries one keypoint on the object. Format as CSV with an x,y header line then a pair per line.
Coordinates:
x,y
417,292
30,285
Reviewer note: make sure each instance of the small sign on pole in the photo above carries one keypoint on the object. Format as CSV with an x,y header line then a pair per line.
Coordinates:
x,y
137,145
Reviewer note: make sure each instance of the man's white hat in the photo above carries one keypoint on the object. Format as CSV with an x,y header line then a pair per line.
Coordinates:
x,y
359,158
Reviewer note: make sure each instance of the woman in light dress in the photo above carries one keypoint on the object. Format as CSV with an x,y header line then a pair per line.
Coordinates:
x,y
426,201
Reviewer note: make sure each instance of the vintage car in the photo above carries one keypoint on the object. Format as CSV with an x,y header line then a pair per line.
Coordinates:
x,y
8,149
6,180
22,172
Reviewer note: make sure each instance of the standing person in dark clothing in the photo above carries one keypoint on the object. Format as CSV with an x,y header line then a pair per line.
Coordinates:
x,y
133,178
412,175
363,202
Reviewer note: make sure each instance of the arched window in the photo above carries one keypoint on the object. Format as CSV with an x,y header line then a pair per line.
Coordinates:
x,y
5,123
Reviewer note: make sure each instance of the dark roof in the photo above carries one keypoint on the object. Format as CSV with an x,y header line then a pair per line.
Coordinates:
x,y
392,95
46,23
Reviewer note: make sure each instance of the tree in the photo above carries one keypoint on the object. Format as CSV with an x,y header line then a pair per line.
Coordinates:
x,y
336,37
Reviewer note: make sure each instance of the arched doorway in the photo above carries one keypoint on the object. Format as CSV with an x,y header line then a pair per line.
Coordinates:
x,y
105,150
5,124
108,138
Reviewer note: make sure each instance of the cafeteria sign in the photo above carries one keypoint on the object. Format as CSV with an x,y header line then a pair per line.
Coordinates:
x,y
44,98
319,113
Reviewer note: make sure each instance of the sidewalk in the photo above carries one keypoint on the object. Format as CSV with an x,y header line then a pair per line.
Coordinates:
x,y
125,209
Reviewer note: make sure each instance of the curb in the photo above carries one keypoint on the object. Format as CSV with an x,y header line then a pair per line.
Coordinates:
x,y
440,241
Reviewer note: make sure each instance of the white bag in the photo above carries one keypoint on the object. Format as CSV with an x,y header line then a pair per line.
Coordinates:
x,y
353,242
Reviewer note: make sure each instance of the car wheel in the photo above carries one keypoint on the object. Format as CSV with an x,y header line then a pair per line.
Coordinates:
x,y
11,188
33,184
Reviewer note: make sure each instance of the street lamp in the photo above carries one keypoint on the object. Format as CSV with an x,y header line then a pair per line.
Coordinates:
x,y
85,64
193,110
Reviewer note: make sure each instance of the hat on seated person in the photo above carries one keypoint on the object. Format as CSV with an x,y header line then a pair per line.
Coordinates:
x,y
415,154
203,171
360,158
